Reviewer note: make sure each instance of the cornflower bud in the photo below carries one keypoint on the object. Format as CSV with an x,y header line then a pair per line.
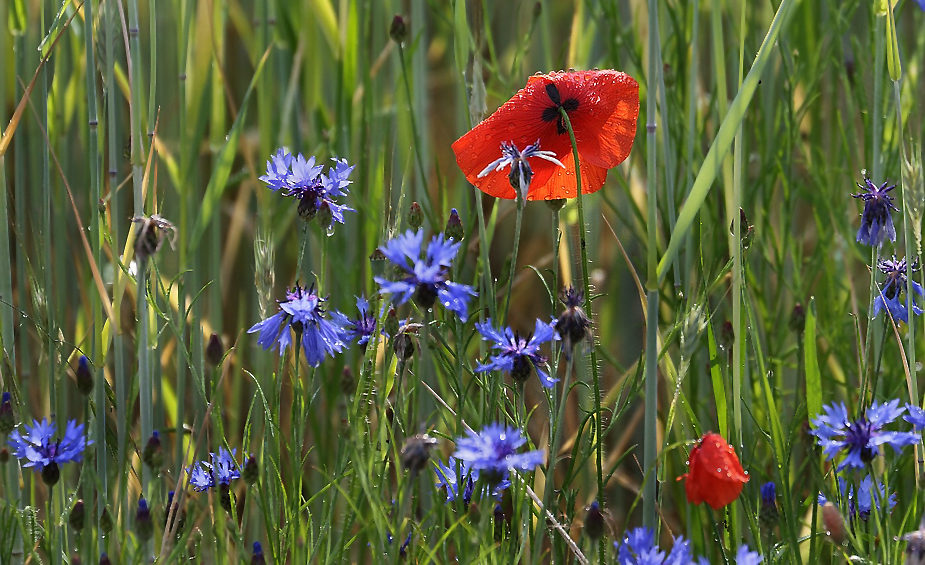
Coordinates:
x,y
144,526
416,452
7,418
215,350
84,376
415,216
76,518
454,227
153,454
398,31
251,471
594,521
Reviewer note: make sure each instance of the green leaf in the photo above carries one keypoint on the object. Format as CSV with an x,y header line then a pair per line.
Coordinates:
x,y
719,390
722,143
54,29
893,64
17,17
811,362
219,179
461,34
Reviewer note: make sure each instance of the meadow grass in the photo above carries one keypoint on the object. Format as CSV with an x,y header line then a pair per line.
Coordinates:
x,y
721,267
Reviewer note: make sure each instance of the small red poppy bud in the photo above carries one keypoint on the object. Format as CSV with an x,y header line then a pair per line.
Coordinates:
x,y
715,475
415,216
398,31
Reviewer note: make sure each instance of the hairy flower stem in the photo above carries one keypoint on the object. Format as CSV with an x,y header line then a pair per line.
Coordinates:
x,y
521,203
868,338
582,226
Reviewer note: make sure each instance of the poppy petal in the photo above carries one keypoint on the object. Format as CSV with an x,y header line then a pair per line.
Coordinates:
x,y
602,106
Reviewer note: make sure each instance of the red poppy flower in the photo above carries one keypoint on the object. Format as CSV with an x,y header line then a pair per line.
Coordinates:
x,y
715,475
602,106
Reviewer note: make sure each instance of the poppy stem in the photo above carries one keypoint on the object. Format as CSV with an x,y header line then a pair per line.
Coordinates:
x,y
521,203
595,374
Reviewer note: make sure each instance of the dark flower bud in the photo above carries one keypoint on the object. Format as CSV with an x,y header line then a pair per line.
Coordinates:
x,y
153,454
215,350
556,204
106,521
768,514
403,344
454,227
537,10
727,334
377,262
84,376
251,471
398,31
225,497
797,319
325,215
258,558
75,559
416,452
76,519
51,474
834,524
594,521
392,324
7,418
415,216
348,385
179,516
4,455
573,324
144,526
104,559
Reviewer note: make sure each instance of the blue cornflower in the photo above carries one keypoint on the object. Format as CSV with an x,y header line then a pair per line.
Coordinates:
x,y
302,313
221,471
447,479
493,451
426,276
916,415
866,498
769,494
745,556
894,285
361,328
859,438
521,173
921,4
638,548
876,220
44,454
301,178
518,355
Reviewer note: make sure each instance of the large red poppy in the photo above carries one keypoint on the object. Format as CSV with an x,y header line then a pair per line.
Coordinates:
x,y
602,106
715,475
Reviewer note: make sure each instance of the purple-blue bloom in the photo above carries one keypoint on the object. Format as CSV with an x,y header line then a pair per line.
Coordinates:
x,y
361,328
638,548
893,286
40,450
301,178
447,479
862,501
221,471
921,4
493,451
859,438
915,415
745,556
876,220
521,173
769,494
516,354
426,272
303,314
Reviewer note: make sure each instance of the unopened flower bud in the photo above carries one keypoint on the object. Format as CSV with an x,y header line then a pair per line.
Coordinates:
x,y
225,497
325,215
251,471
144,526
797,319
416,452
768,514
4,455
454,227
573,324
153,454
398,31
84,376
594,521
392,324
75,559
834,523
403,345
415,216
377,262
106,521
258,558
76,519
179,516
727,334
104,559
7,418
215,350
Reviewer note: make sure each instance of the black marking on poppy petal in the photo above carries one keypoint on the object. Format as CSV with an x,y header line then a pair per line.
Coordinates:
x,y
551,114
553,92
